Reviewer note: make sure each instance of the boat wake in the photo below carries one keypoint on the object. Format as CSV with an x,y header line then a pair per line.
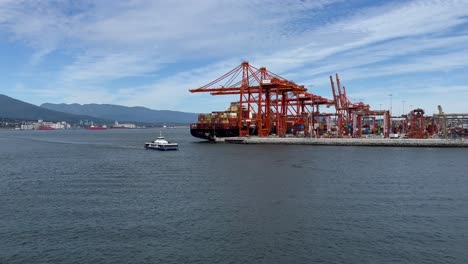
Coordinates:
x,y
70,142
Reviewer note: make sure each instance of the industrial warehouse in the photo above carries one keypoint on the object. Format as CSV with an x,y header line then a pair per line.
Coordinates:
x,y
272,109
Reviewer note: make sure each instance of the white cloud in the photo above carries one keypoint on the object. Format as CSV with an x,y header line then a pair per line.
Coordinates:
x,y
372,26
107,41
110,66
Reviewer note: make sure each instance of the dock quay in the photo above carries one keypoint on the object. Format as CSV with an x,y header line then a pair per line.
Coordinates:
x,y
376,142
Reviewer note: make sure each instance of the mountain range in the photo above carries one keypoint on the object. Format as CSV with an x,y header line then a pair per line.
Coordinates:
x,y
99,113
124,113
15,109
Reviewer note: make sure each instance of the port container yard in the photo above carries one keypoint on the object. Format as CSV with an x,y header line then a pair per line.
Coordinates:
x,y
271,109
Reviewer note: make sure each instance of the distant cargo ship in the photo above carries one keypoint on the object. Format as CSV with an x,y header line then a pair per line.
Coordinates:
x,y
45,128
104,127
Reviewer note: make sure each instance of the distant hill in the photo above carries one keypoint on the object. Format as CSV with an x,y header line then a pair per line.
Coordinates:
x,y
16,109
124,113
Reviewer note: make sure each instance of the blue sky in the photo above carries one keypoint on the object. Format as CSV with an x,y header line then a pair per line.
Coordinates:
x,y
149,53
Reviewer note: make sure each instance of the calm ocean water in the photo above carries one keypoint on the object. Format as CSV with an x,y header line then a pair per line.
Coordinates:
x,y
83,196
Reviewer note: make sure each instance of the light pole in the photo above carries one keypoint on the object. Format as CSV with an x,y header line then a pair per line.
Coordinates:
x,y
380,107
390,103
403,102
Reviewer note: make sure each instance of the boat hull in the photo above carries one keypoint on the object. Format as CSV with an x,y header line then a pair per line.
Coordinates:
x,y
162,147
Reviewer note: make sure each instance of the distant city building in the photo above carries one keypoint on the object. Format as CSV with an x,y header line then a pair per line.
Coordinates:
x,y
117,125
41,125
27,126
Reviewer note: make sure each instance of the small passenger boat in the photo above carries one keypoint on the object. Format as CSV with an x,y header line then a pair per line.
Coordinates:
x,y
161,144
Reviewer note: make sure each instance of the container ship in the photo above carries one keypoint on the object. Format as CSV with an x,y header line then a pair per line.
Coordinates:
x,y
104,127
43,127
218,124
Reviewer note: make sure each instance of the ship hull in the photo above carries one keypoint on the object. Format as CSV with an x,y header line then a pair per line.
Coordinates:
x,y
210,134
45,128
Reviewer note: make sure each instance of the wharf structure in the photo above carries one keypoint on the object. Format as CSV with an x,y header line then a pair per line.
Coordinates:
x,y
270,106
371,142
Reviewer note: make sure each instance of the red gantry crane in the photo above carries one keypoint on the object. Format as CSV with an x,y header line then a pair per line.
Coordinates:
x,y
417,127
350,114
268,103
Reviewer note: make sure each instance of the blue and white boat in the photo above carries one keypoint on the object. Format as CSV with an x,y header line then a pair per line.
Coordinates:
x,y
161,144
